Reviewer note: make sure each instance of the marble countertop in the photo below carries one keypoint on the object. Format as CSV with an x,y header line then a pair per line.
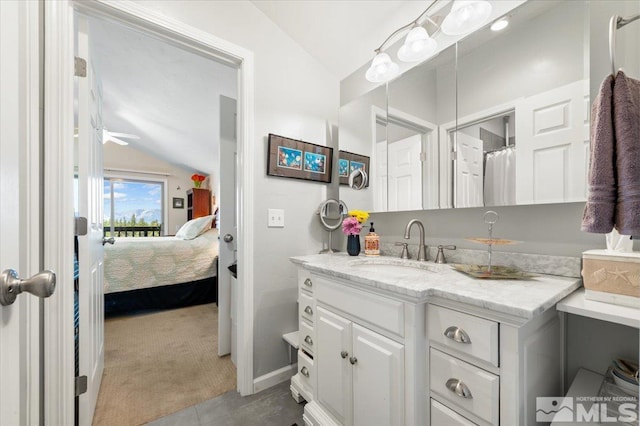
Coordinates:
x,y
523,298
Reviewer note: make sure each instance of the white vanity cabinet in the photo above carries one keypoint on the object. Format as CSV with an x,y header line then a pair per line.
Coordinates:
x,y
486,368
303,383
360,358
360,373
424,348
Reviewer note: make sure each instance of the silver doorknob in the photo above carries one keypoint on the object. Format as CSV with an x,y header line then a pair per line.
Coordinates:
x,y
227,238
353,360
109,240
42,284
344,354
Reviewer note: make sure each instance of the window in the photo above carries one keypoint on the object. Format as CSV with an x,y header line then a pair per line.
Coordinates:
x,y
133,208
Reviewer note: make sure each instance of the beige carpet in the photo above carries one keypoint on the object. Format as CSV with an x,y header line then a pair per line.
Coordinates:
x,y
159,363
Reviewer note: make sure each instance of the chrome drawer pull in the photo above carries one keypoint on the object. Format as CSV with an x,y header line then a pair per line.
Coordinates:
x,y
308,340
457,335
308,310
308,282
456,386
344,354
353,360
304,371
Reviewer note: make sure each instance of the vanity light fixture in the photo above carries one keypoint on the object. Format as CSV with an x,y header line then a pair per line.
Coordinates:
x,y
382,68
417,46
500,24
465,16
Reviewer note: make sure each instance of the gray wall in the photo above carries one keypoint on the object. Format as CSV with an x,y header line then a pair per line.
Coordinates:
x,y
295,96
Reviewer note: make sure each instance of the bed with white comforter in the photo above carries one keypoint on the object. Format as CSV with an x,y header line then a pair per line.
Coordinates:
x,y
140,263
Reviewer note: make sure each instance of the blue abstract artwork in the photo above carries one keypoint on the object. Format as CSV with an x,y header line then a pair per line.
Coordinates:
x,y
289,158
315,163
356,165
343,167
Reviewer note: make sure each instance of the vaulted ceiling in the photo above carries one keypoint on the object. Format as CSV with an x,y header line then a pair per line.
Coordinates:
x,y
341,34
170,97
164,94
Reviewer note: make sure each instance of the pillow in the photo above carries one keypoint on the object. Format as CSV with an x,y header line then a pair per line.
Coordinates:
x,y
195,227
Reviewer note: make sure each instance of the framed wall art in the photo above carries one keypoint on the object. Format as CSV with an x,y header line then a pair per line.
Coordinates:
x,y
178,203
296,159
348,162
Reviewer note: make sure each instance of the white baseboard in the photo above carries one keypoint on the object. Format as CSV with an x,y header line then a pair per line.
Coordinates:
x,y
275,377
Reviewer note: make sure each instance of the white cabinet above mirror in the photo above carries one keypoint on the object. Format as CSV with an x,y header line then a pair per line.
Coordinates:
x,y
438,134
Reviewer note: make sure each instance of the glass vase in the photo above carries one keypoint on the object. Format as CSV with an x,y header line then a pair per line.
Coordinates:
x,y
196,184
353,245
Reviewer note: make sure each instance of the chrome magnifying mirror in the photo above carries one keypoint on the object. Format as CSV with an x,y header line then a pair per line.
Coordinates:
x,y
331,213
358,179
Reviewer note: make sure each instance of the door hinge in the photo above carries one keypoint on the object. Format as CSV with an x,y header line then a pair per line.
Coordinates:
x,y
423,156
454,155
81,385
80,67
80,226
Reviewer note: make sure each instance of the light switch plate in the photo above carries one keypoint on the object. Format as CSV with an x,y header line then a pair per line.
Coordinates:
x,y
276,218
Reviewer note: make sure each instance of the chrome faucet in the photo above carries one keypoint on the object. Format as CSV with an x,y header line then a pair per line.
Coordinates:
x,y
422,249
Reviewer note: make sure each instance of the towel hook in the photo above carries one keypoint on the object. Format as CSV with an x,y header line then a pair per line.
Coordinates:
x,y
613,26
616,22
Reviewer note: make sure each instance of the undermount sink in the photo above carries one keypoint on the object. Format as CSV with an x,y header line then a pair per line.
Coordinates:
x,y
392,265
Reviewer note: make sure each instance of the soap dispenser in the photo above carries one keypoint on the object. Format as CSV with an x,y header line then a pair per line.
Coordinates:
x,y
372,243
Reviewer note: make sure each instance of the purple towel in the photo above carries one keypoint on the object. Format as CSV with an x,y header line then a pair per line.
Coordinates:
x,y
599,212
626,122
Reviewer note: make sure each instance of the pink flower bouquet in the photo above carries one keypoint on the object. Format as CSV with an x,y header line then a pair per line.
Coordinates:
x,y
351,226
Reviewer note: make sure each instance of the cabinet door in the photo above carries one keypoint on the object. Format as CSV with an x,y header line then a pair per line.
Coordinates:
x,y
333,371
378,379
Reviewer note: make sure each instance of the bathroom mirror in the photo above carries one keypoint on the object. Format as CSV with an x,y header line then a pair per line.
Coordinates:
x,y
362,125
521,134
501,118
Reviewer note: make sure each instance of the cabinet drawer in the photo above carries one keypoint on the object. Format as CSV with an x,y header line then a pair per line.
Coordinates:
x,y
305,281
465,385
306,306
380,311
444,416
305,370
469,334
307,337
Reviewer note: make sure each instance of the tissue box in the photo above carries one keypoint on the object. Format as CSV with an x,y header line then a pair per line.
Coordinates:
x,y
612,277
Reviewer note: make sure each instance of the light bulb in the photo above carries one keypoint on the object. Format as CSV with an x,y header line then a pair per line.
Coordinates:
x,y
466,16
417,46
500,24
382,69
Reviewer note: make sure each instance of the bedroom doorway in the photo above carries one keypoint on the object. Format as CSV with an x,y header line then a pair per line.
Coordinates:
x,y
241,190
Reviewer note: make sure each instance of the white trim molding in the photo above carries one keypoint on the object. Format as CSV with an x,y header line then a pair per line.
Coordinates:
x,y
275,377
59,368
58,204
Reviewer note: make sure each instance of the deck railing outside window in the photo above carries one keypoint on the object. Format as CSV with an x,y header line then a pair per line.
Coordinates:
x,y
133,231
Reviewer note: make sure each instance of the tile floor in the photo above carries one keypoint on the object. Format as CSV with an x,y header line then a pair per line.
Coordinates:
x,y
271,407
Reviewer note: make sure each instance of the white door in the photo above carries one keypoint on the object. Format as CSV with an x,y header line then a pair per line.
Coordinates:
x,y
405,174
552,151
228,223
380,177
378,379
19,236
334,371
90,206
469,171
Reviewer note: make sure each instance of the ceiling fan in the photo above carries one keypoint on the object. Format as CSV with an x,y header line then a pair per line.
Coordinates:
x,y
115,137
